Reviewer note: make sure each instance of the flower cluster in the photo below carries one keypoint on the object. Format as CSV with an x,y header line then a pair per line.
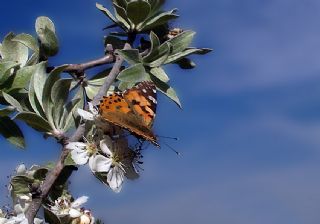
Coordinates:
x,y
64,207
105,160
18,215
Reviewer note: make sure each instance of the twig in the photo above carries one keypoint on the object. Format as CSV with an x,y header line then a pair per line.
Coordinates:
x,y
56,171
110,78
80,68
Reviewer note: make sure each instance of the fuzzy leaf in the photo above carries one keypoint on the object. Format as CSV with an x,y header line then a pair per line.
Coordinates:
x,y
158,19
48,105
11,131
132,56
59,96
20,186
12,101
106,12
22,77
35,121
160,74
135,73
166,90
14,51
5,70
39,79
181,41
27,40
138,11
121,16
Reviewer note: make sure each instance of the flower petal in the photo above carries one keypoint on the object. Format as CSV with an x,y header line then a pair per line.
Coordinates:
x,y
86,115
100,163
73,213
115,179
80,157
76,145
92,109
105,146
79,201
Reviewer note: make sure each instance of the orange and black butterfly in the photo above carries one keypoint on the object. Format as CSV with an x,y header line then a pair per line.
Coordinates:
x,y
133,109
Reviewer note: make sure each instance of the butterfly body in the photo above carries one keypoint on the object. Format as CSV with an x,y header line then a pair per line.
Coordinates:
x,y
134,110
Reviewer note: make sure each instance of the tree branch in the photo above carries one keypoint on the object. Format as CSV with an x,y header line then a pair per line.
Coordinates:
x,y
56,171
80,68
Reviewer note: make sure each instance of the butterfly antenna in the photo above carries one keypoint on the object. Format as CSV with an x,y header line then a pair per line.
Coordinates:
x,y
172,149
172,138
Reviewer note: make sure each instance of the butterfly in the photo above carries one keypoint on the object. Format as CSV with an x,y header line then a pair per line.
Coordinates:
x,y
134,109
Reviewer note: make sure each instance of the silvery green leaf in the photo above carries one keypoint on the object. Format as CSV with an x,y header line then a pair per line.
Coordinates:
x,y
166,90
6,68
20,186
12,101
155,6
69,113
155,42
39,78
14,51
59,96
34,59
138,11
106,12
46,33
42,22
11,131
27,40
35,121
159,56
121,16
22,77
125,85
158,19
48,105
49,41
135,73
132,56
181,41
91,91
6,111
160,74
156,53
34,102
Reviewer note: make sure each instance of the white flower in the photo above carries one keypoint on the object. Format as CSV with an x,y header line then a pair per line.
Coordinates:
x,y
89,115
119,160
63,206
81,152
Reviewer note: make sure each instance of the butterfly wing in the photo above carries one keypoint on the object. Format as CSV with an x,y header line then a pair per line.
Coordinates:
x,y
118,111
143,100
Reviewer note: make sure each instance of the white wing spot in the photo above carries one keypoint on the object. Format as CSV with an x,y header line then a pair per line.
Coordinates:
x,y
144,90
152,99
154,90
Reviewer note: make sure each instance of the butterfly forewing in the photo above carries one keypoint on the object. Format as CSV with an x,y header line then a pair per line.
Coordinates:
x,y
143,100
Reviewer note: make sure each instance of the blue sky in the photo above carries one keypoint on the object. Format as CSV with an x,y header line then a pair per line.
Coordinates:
x,y
250,125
